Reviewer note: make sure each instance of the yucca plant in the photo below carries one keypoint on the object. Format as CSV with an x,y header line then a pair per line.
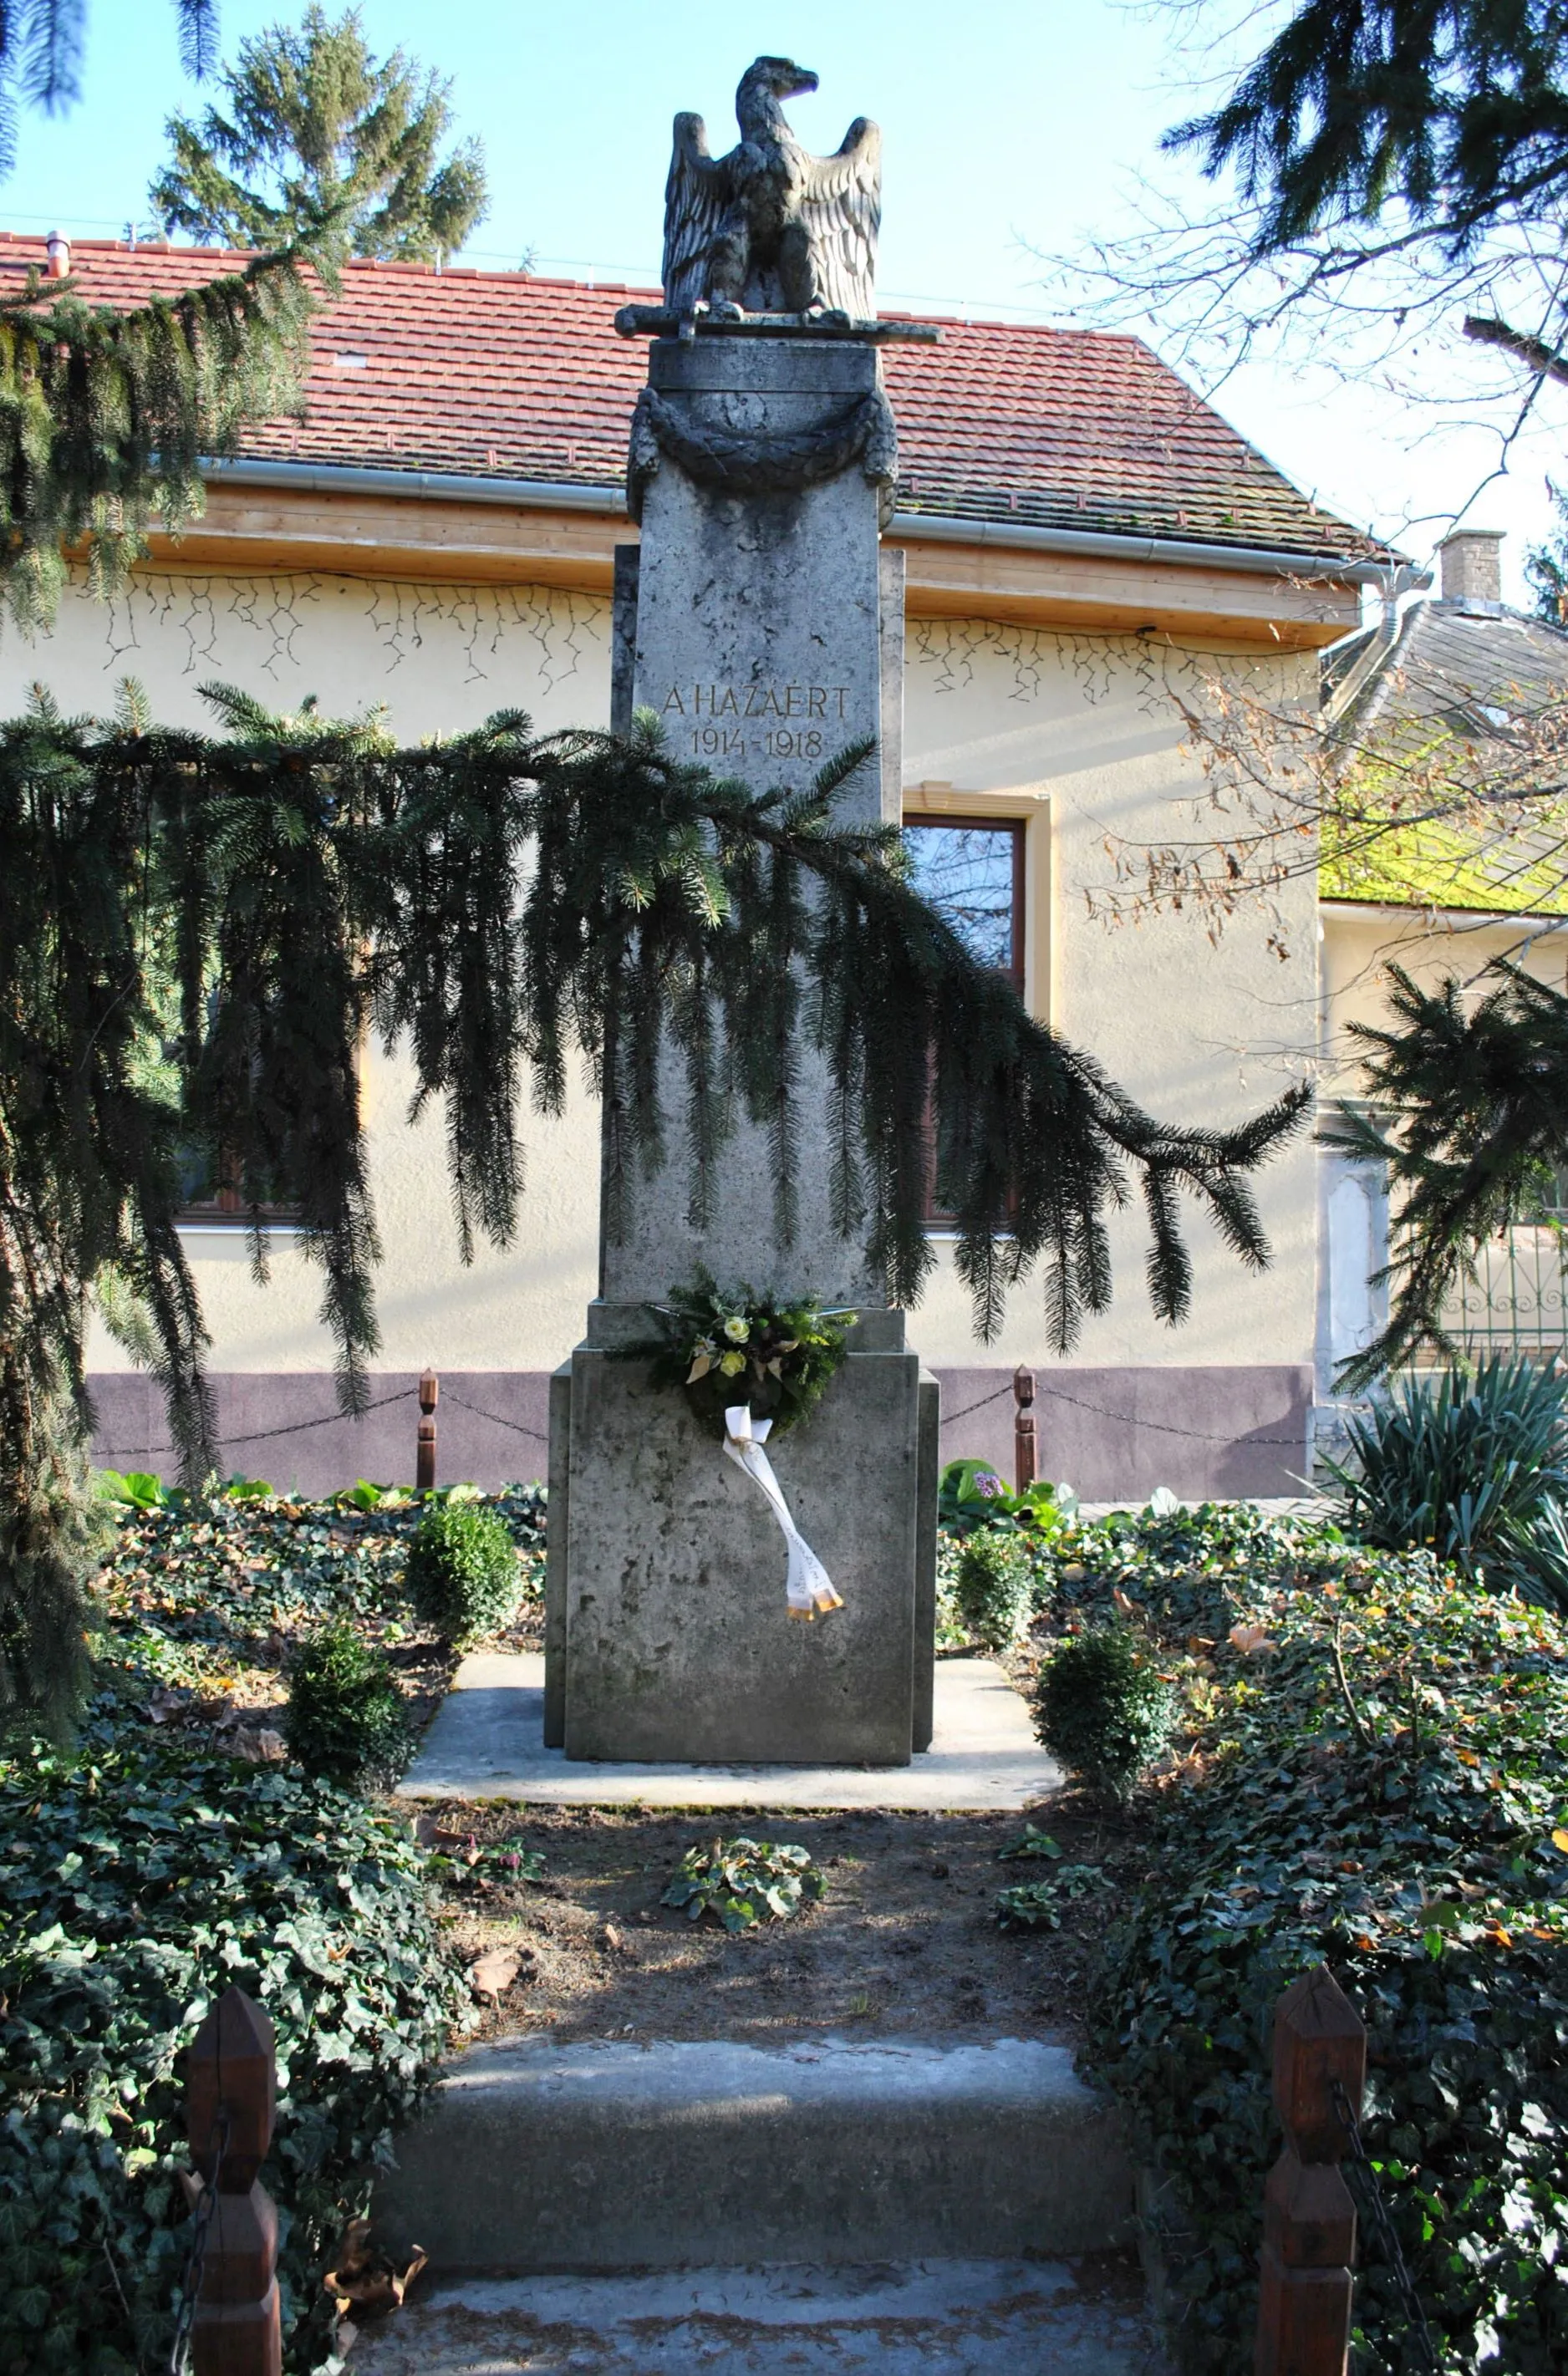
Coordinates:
x,y
1474,1464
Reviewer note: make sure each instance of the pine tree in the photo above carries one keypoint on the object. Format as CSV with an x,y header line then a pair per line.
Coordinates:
x,y
194,931
315,127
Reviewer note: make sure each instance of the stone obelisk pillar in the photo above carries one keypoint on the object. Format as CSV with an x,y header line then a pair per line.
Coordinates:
x,y
762,621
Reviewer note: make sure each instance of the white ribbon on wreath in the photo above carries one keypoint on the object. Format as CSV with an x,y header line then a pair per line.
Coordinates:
x,y
808,1584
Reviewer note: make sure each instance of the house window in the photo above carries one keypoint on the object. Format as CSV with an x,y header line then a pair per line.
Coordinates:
x,y
210,1200
971,872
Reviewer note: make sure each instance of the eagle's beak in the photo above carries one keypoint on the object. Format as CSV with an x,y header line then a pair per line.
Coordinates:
x,y
805,80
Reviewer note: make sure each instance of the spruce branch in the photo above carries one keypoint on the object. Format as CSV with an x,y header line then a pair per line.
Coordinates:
x,y
197,931
1471,1104
106,416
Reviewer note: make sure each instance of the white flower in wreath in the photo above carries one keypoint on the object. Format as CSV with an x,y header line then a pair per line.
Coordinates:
x,y
738,1329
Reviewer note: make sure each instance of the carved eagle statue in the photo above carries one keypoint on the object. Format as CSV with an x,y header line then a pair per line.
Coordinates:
x,y
770,229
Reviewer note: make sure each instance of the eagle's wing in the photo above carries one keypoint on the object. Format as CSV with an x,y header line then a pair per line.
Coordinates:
x,y
695,197
841,207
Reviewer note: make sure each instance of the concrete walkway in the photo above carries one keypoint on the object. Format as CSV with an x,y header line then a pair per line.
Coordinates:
x,y
487,1742
913,2318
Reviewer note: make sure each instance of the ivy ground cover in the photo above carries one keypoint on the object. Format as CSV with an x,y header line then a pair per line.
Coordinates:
x,y
176,1852
1399,1811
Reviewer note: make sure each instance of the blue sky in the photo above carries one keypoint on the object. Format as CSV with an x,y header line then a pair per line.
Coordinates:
x,y
1011,124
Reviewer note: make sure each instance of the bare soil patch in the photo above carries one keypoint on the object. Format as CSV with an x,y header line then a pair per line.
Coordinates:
x,y
905,1941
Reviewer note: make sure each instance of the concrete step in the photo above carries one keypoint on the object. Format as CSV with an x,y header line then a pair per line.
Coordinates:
x,y
932,2318
535,2156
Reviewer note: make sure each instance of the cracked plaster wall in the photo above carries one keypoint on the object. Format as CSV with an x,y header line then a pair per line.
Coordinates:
x,y
1077,734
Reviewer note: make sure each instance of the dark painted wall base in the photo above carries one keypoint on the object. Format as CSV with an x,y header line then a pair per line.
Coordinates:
x,y
1114,1434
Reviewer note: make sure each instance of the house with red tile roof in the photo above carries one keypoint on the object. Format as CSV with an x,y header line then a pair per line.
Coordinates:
x,y
1087,544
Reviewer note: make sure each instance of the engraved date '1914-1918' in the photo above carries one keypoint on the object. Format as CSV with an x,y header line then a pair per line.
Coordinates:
x,y
789,721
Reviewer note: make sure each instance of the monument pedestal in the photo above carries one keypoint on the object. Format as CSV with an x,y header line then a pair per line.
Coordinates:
x,y
761,623
667,1632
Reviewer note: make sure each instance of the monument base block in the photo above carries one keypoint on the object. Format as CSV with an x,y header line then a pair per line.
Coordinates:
x,y
667,1636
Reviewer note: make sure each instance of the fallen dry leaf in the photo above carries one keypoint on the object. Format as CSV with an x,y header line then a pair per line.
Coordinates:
x,y
612,1936
1252,1641
365,2280
494,1972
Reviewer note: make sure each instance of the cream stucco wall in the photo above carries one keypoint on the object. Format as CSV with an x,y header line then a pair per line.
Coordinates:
x,y
1082,736
1360,943
1078,734
439,658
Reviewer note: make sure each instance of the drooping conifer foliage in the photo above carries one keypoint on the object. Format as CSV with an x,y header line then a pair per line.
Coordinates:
x,y
42,43
104,416
1471,1100
195,931
1455,110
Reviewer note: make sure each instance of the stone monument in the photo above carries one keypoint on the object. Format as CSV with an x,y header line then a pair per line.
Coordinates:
x,y
761,623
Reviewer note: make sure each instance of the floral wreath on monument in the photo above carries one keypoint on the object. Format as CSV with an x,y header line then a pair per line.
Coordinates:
x,y
751,1366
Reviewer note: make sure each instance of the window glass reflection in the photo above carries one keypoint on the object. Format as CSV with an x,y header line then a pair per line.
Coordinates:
x,y
968,872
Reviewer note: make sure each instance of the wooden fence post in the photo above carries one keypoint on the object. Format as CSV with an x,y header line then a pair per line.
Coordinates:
x,y
1024,1468
425,1458
230,2091
1320,2047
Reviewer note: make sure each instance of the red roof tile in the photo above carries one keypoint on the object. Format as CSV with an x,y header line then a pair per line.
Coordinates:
x,y
499,373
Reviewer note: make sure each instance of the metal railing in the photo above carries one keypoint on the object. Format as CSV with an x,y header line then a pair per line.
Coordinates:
x,y
1517,1303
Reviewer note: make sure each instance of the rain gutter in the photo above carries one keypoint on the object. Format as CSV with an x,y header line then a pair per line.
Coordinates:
x,y
930,528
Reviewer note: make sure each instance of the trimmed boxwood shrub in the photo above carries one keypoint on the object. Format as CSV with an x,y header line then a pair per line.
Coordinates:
x,y
1102,1708
347,1720
137,1885
994,1588
462,1574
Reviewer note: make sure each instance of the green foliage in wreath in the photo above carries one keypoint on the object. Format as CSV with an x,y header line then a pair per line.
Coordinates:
x,y
726,1346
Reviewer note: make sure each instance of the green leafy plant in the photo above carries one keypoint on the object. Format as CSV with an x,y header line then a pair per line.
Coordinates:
x,y
1102,1708
745,1882
1036,1905
1474,1465
479,1862
970,1494
1030,1843
245,1488
362,1495
137,1487
462,1574
347,1721
139,1881
994,1587
726,1346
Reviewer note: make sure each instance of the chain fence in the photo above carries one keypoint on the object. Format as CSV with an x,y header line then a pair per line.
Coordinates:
x,y
195,2258
1387,2238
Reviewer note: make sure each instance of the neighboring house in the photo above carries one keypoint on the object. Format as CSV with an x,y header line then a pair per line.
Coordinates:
x,y
1462,664
1084,537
